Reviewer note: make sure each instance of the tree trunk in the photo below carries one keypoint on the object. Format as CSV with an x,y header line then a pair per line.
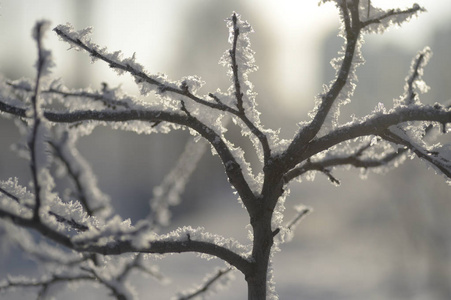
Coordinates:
x,y
263,241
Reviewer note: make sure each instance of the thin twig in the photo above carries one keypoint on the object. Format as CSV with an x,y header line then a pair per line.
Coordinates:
x,y
307,133
300,215
205,287
351,160
413,77
76,177
9,195
236,79
11,283
390,13
36,119
140,75
433,158
111,102
58,217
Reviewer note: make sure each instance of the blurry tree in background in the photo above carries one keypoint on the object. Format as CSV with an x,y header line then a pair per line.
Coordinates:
x,y
75,232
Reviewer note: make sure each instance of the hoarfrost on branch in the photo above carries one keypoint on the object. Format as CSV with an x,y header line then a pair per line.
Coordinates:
x,y
102,247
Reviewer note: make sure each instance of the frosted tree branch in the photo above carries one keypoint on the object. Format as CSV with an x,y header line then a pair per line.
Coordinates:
x,y
61,219
165,246
302,211
124,244
352,32
392,12
236,79
169,191
105,97
91,198
117,289
412,81
354,160
137,264
102,248
5,192
372,125
184,89
44,284
136,70
232,167
207,285
443,164
42,61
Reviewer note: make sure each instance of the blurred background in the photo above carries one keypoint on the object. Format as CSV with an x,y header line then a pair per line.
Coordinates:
x,y
385,237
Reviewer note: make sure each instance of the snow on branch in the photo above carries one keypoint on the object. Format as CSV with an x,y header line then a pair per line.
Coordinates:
x,y
326,164
342,87
159,84
118,238
107,96
414,81
70,215
378,20
107,249
371,18
374,125
181,95
232,167
240,62
439,156
44,284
